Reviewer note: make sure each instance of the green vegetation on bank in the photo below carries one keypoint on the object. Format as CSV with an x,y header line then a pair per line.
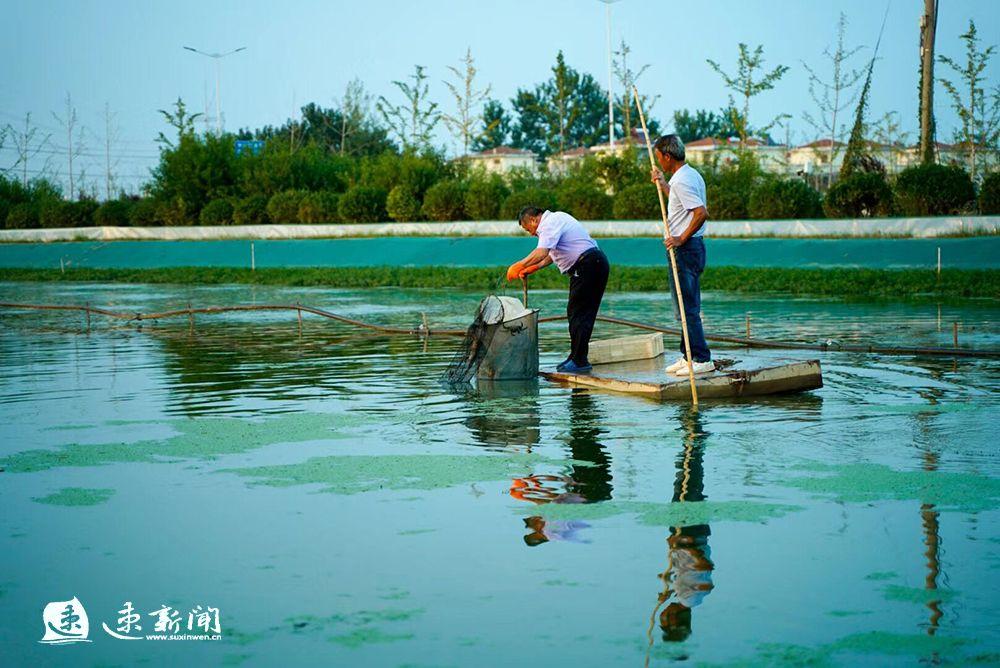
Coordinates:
x,y
979,283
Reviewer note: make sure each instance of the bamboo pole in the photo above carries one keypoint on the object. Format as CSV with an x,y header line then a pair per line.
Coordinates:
x,y
670,253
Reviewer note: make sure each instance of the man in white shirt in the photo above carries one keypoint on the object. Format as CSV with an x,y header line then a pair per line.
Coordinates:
x,y
686,216
564,241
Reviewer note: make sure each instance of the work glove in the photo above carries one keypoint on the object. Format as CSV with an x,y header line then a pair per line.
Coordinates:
x,y
514,271
527,271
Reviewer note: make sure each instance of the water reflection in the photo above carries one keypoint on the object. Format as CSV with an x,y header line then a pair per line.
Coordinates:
x,y
514,422
687,579
587,480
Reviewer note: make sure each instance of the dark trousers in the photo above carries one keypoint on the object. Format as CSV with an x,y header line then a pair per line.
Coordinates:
x,y
690,264
588,278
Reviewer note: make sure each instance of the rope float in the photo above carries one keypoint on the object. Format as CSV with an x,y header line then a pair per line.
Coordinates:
x,y
425,330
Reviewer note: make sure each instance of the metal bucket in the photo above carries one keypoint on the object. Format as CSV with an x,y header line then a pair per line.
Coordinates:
x,y
513,350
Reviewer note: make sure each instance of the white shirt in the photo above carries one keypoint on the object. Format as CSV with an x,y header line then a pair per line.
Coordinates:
x,y
687,192
564,237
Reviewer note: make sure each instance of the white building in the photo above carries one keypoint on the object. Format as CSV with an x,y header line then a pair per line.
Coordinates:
x,y
503,159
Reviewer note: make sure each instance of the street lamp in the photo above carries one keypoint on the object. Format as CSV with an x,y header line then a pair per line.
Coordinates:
x,y
611,96
217,57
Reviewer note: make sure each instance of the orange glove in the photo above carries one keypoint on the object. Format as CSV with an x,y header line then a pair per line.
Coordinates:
x,y
529,270
514,271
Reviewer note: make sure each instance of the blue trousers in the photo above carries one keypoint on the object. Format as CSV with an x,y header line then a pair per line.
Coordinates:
x,y
690,265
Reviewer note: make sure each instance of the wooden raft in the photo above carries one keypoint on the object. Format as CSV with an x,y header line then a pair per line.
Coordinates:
x,y
741,379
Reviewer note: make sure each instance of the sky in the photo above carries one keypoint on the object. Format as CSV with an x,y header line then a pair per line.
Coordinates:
x,y
128,55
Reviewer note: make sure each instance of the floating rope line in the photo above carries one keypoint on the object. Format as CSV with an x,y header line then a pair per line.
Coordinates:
x,y
423,330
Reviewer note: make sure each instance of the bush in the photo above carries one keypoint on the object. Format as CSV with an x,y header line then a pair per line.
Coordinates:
x,y
22,216
283,208
251,210
143,213
217,212
173,213
989,195
319,207
68,214
860,195
5,208
934,190
362,204
402,204
584,201
113,213
445,200
540,197
638,201
775,199
484,196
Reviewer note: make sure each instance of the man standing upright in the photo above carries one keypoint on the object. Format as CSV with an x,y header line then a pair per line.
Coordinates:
x,y
564,241
686,216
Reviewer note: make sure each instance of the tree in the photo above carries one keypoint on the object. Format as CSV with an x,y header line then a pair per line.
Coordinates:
x,y
74,141
980,119
928,28
855,157
348,130
180,120
626,103
704,123
463,122
749,81
887,132
570,109
414,121
835,95
495,128
111,135
27,144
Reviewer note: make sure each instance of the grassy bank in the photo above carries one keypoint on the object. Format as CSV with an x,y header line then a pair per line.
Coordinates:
x,y
839,282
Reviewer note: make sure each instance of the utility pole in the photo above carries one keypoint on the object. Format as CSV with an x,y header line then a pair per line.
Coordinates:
x,y
928,25
217,57
611,96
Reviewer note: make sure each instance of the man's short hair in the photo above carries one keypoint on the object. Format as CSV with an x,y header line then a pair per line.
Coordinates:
x,y
528,211
670,145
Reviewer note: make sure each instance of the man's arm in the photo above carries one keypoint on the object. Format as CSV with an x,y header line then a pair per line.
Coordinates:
x,y
539,256
698,218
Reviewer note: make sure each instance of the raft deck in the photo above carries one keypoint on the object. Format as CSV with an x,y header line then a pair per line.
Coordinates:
x,y
747,377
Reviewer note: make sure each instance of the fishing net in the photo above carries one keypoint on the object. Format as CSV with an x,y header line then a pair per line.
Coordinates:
x,y
492,312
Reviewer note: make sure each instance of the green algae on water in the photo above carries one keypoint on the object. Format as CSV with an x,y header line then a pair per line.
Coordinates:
x,y
368,636
863,483
354,474
917,594
201,438
76,496
664,514
871,643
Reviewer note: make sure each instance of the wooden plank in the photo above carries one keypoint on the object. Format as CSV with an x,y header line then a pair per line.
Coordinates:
x,y
793,377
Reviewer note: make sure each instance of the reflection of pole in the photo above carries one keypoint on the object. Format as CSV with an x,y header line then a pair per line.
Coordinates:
x,y
932,539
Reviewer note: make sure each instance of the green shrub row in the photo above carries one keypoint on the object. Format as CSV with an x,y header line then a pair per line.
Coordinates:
x,y
411,188
840,282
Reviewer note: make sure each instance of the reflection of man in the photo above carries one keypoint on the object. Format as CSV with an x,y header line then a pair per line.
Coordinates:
x,y
542,530
588,481
593,481
688,578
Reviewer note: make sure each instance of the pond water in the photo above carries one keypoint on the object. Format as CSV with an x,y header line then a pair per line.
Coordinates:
x,y
340,507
